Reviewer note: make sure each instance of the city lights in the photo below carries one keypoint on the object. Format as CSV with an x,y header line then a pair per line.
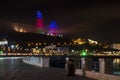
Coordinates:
x,y
79,41
92,41
59,40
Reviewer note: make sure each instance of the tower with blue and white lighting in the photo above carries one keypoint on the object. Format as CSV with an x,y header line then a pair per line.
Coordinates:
x,y
53,28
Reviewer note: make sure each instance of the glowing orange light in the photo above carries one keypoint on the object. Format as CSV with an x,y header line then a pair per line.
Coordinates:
x,y
18,28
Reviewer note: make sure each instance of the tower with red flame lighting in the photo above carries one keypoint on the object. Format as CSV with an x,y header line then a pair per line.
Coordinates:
x,y
39,22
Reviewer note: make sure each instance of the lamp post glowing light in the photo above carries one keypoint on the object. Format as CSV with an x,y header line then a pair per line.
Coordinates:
x,y
84,53
1,52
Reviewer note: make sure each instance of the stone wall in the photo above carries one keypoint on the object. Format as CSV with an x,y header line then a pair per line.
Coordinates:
x,y
37,61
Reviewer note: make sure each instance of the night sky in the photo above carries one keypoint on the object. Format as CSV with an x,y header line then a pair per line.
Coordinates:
x,y
96,19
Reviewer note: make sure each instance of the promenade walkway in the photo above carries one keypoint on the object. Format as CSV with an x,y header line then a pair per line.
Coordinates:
x,y
29,72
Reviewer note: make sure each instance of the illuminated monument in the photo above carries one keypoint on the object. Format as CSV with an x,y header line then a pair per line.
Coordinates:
x,y
53,28
39,22
40,26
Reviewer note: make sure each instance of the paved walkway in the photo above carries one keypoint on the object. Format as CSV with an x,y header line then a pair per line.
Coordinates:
x,y
29,72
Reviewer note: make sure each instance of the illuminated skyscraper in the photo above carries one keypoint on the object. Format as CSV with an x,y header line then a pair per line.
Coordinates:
x,y
39,22
53,28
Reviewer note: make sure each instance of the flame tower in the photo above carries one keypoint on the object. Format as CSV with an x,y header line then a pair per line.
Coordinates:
x,y
53,28
39,22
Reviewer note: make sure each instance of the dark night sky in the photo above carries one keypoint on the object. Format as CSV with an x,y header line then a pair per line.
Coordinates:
x,y
96,19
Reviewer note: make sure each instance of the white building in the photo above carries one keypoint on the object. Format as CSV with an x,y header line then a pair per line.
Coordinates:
x,y
115,46
3,42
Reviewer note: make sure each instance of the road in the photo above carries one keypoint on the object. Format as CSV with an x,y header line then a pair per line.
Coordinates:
x,y
15,69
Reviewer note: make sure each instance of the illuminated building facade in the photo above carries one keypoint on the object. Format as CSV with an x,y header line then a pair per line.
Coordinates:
x,y
116,46
79,41
39,22
3,42
53,28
